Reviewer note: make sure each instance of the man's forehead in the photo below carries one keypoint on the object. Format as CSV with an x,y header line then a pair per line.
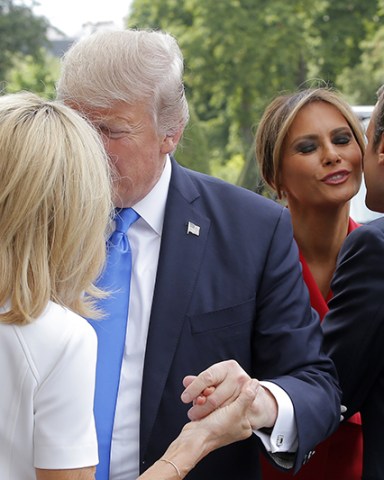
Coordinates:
x,y
122,113
109,119
371,124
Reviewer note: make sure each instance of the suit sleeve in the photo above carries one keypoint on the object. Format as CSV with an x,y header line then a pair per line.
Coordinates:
x,y
289,344
354,326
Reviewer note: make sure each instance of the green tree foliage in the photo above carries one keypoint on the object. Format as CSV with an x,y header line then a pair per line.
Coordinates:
x,y
234,60
21,34
342,25
361,81
39,78
192,152
241,53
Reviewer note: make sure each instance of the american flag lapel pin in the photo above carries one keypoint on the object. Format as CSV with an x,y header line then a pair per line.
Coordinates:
x,y
193,229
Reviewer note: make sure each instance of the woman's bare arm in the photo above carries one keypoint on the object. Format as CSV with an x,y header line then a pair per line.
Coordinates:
x,y
197,439
87,473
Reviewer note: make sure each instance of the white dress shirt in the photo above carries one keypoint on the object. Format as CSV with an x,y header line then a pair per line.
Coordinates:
x,y
145,237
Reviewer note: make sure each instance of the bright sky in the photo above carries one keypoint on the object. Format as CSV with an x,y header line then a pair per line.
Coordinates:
x,y
70,15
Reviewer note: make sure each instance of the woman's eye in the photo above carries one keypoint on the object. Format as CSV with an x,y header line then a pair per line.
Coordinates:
x,y
342,139
306,147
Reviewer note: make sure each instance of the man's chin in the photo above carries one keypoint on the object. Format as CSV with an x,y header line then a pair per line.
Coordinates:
x,y
376,205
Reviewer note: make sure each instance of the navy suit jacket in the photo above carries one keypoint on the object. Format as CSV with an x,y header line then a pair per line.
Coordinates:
x,y
235,291
354,336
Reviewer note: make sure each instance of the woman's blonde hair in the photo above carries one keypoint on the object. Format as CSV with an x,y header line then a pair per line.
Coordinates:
x,y
55,205
277,120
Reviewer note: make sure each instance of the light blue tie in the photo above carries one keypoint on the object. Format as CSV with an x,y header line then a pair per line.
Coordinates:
x,y
111,332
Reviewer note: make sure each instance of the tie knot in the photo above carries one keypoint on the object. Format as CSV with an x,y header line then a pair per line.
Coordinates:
x,y
124,218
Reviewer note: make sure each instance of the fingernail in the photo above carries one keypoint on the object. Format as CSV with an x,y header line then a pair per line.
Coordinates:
x,y
185,397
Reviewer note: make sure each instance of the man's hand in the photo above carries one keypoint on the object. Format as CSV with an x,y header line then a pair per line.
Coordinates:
x,y
198,438
226,424
220,385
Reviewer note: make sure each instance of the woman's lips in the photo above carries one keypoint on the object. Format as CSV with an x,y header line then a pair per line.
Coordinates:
x,y
336,178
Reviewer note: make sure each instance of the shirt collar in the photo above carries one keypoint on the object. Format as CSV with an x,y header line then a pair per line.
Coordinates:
x,y
152,207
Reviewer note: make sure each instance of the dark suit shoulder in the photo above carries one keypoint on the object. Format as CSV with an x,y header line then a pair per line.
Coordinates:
x,y
354,326
227,198
204,181
366,240
377,224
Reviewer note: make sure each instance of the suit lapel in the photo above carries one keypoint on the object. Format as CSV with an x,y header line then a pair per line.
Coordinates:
x,y
179,264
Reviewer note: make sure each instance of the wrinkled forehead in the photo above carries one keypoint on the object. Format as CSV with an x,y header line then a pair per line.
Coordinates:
x,y
118,112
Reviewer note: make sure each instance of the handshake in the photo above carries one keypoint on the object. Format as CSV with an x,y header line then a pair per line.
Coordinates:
x,y
227,406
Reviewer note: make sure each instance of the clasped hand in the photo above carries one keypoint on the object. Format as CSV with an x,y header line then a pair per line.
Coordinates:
x,y
221,385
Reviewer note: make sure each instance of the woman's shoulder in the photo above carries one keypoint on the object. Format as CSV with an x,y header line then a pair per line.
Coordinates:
x,y
55,334
57,324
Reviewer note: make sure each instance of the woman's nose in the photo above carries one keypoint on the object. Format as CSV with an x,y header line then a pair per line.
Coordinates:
x,y
331,156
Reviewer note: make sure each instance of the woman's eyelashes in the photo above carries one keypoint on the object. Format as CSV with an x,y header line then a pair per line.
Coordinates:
x,y
311,145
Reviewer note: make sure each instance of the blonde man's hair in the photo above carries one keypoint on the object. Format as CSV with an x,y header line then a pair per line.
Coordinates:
x,y
131,66
55,204
277,120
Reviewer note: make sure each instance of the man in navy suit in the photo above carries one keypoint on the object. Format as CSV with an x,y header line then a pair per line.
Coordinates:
x,y
216,274
354,326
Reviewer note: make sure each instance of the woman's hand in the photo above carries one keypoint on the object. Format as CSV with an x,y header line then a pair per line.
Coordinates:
x,y
228,423
198,438
219,385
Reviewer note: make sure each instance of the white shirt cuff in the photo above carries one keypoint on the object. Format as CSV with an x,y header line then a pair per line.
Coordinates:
x,y
283,437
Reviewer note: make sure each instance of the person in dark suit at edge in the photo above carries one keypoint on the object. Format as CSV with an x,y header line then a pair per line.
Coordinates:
x,y
354,325
216,278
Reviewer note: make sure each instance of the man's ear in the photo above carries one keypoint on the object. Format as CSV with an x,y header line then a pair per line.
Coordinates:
x,y
170,142
380,150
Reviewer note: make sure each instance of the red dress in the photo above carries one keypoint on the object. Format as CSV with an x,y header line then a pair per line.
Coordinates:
x,y
340,456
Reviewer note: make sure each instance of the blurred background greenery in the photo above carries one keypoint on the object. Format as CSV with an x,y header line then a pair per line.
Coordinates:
x,y
239,54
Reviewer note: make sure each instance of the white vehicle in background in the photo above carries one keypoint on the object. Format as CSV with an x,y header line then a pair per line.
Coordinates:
x,y
358,210
363,113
